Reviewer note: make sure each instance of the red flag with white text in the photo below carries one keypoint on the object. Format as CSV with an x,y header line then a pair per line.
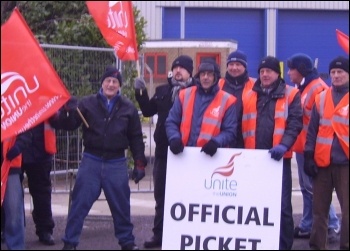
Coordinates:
x,y
31,90
343,40
115,19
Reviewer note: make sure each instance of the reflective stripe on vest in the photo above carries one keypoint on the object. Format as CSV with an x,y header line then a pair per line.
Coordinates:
x,y
7,144
332,120
212,116
307,101
281,114
50,138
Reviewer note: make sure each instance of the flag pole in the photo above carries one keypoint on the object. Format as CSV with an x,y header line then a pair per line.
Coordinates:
x,y
82,117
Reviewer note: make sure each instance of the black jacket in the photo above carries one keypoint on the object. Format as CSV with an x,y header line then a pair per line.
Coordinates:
x,y
235,87
265,123
160,104
109,133
338,155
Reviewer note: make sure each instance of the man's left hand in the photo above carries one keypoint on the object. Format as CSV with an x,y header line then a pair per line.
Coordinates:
x,y
139,172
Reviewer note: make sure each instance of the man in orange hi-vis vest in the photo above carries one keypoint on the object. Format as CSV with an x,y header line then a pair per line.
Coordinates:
x,y
237,82
306,78
37,164
272,120
327,154
202,115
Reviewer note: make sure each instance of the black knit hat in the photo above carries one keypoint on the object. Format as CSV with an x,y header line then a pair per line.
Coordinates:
x,y
237,56
209,65
302,63
113,72
271,63
339,62
185,62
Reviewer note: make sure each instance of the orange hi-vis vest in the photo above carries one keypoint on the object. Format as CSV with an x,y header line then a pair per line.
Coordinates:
x,y
7,144
332,120
248,85
212,117
281,115
50,138
307,101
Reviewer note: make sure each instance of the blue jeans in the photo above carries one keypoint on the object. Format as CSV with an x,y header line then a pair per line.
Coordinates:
x,y
13,206
94,175
305,183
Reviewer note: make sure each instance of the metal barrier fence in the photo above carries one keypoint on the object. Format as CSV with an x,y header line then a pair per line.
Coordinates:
x,y
80,69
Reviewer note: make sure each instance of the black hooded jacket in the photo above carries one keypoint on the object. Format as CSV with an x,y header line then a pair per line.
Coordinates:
x,y
160,104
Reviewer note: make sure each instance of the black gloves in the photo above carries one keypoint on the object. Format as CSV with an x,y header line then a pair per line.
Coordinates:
x,y
139,171
139,84
13,152
170,77
176,146
210,147
310,167
71,104
278,151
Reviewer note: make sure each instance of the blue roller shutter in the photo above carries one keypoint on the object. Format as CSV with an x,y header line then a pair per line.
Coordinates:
x,y
313,33
244,26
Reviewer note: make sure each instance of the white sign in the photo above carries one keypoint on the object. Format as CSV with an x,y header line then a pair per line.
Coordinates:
x,y
230,201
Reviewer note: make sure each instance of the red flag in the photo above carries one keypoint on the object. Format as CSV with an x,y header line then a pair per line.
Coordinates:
x,y
343,40
31,90
115,19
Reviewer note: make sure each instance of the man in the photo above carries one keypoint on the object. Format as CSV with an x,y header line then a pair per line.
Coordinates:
x,y
113,125
306,78
327,154
37,164
160,104
238,83
202,115
13,203
272,119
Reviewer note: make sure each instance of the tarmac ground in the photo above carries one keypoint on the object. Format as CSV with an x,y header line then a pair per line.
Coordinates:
x,y
98,230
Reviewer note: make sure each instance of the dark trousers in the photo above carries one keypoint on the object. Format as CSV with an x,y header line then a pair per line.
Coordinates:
x,y
327,179
159,177
39,184
287,222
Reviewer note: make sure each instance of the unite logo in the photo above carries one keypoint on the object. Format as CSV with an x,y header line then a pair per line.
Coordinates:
x,y
117,18
344,110
14,96
223,186
215,111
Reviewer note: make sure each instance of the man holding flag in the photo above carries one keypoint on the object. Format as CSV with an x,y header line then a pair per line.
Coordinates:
x,y
113,126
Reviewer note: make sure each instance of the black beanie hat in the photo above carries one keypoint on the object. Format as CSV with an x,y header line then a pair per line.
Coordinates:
x,y
185,62
113,72
271,63
211,66
339,62
302,63
237,56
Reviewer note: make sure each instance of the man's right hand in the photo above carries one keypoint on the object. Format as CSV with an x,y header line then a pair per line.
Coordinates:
x,y
139,84
71,104
176,146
